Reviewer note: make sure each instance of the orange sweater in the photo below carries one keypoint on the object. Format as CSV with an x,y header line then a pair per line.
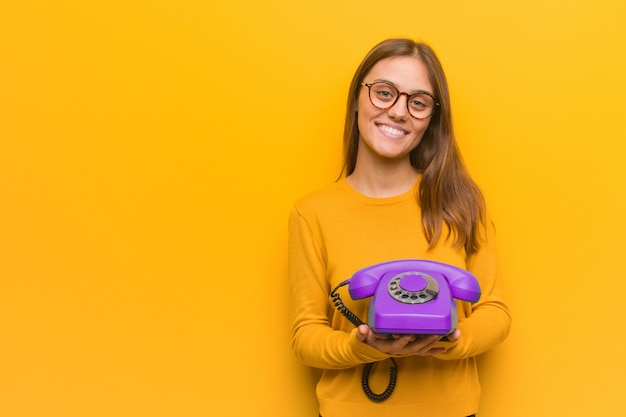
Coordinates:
x,y
333,233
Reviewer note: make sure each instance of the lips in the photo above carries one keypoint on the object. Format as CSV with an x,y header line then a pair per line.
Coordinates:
x,y
392,131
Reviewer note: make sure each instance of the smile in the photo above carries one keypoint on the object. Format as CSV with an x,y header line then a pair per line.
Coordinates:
x,y
392,131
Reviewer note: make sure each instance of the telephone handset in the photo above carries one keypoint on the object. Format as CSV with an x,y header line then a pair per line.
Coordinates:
x,y
410,296
413,296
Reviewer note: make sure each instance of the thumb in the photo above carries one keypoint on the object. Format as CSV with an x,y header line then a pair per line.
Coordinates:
x,y
454,336
362,332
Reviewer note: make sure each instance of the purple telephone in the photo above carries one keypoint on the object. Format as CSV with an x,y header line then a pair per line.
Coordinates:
x,y
413,296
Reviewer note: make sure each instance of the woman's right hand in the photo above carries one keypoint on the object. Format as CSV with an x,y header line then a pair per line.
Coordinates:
x,y
402,345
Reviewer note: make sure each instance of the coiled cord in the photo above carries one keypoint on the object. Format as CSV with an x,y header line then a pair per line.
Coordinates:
x,y
341,307
393,377
367,368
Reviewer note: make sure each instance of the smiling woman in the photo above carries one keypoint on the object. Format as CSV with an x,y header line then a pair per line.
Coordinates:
x,y
407,195
389,130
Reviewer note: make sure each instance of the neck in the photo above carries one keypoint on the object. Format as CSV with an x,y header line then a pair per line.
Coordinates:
x,y
383,179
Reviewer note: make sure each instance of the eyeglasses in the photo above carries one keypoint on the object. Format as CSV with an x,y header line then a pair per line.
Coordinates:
x,y
384,95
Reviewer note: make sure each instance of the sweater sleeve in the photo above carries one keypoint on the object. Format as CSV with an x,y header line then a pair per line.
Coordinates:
x,y
314,341
488,321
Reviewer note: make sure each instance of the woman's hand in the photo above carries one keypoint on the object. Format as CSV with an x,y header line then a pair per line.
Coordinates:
x,y
404,345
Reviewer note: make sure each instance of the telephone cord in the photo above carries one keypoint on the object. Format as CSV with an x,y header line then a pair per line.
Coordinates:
x,y
367,368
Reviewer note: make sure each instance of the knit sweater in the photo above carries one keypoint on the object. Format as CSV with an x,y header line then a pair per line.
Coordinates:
x,y
336,231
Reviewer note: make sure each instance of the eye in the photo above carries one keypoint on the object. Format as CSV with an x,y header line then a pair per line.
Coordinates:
x,y
417,104
383,92
420,101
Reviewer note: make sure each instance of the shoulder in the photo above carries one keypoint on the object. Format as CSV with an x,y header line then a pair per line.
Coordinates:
x,y
323,207
322,198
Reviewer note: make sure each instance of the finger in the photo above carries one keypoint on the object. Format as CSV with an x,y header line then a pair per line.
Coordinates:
x,y
425,345
402,342
362,332
434,351
407,345
454,336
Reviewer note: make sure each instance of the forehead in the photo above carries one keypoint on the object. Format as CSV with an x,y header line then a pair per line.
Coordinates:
x,y
405,72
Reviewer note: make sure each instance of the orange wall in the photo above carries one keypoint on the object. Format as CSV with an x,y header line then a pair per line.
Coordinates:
x,y
150,152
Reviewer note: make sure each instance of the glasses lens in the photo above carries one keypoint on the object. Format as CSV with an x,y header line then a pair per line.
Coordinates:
x,y
421,105
383,95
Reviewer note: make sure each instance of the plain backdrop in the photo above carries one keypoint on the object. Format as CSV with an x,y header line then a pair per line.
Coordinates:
x,y
150,152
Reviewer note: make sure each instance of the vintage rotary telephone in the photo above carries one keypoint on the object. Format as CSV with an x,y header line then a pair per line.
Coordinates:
x,y
410,296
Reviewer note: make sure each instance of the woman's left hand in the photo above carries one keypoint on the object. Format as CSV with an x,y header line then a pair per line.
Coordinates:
x,y
404,345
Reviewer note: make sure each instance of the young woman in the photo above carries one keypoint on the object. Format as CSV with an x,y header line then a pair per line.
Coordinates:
x,y
404,193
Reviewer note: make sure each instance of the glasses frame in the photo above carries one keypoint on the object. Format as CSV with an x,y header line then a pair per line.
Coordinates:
x,y
400,93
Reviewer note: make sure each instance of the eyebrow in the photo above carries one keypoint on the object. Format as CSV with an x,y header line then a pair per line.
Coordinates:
x,y
382,80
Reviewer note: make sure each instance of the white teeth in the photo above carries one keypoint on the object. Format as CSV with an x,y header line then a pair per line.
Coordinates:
x,y
392,131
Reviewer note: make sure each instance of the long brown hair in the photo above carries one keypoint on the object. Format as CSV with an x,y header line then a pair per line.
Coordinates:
x,y
447,194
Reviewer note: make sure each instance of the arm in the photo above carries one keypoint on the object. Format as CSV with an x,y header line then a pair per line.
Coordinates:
x,y
314,341
488,321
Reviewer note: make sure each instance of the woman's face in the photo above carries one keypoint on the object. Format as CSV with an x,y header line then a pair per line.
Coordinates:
x,y
392,133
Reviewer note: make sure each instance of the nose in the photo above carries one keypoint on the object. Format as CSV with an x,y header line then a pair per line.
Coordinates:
x,y
399,110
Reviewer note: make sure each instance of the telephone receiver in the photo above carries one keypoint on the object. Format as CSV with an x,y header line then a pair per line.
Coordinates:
x,y
413,296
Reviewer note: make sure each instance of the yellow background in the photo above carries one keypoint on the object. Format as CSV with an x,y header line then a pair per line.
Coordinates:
x,y
150,152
